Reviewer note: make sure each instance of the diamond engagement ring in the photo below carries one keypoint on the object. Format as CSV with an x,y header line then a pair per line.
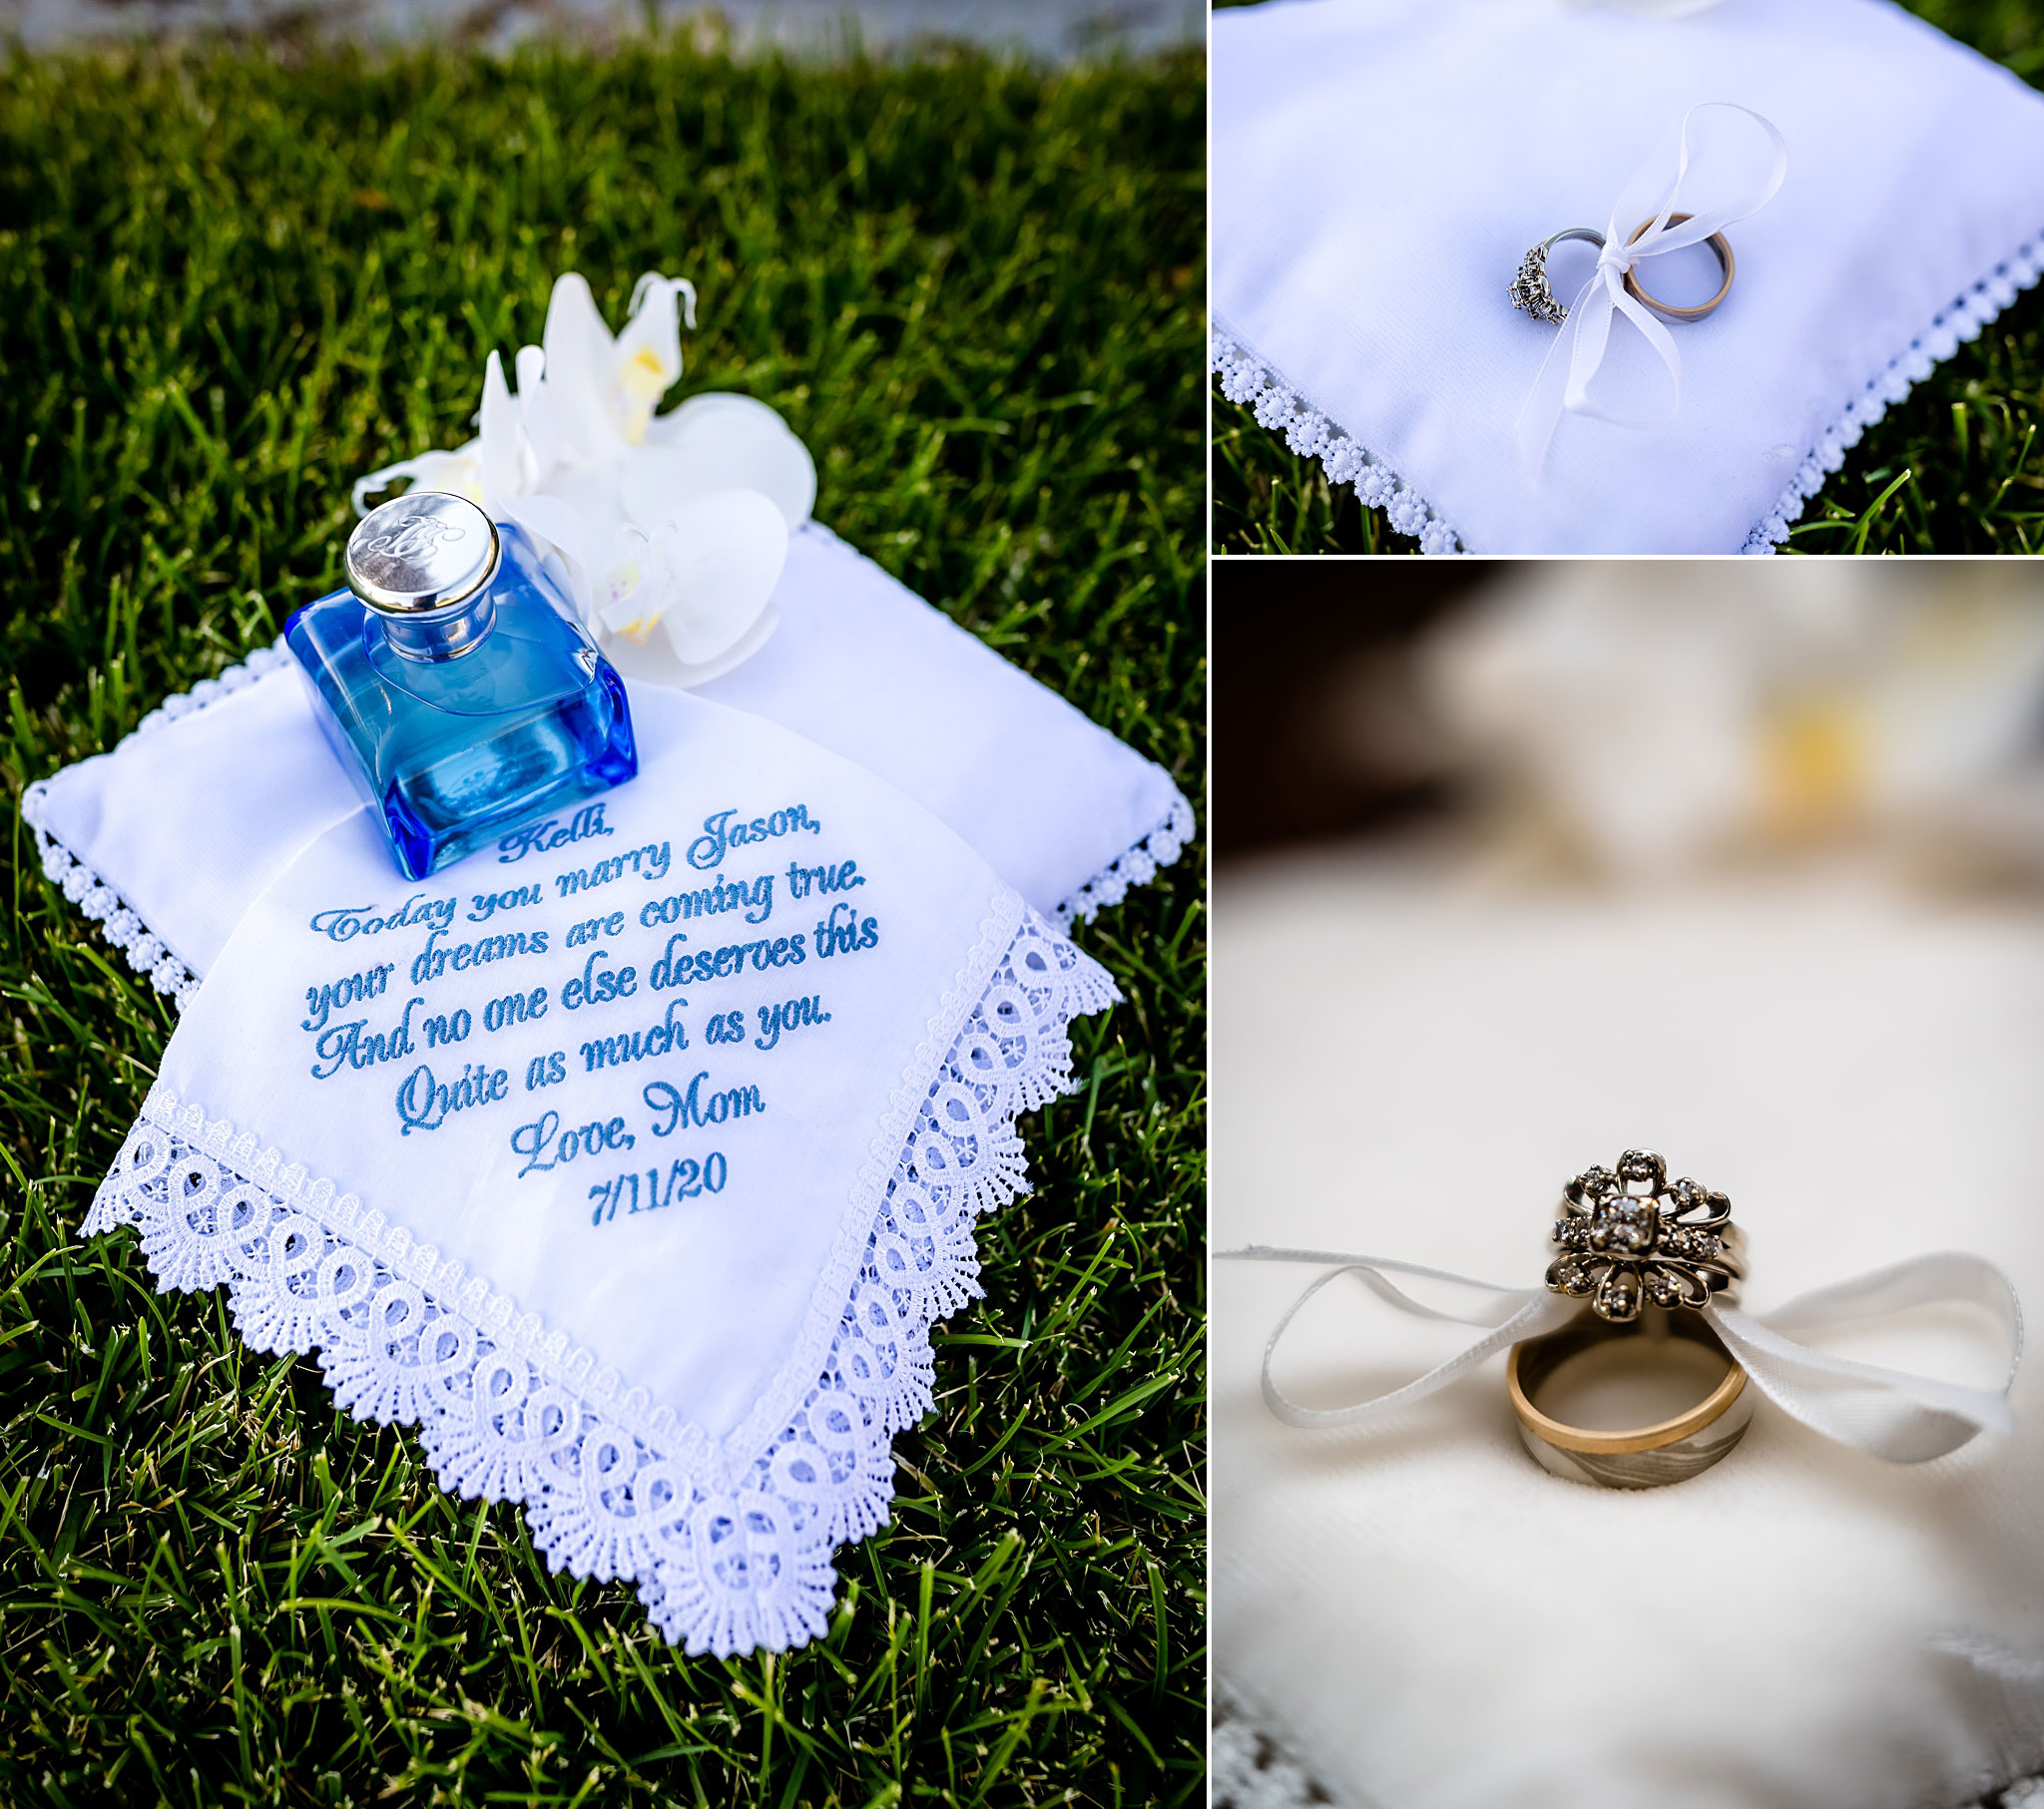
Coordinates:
x,y
1530,289
1649,1254
1630,1239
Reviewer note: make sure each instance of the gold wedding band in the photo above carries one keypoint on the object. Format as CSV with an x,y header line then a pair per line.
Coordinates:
x,y
1643,1456
1717,242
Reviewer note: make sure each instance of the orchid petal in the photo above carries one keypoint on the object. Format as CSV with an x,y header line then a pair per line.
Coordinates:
x,y
546,434
724,553
714,442
580,365
561,527
647,359
718,559
502,450
590,490
675,285
653,661
460,472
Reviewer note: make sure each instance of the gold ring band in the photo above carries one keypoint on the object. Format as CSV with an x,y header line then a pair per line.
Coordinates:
x,y
1643,1456
1717,243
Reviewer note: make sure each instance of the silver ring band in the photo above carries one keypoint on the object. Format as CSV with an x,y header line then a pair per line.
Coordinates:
x,y
1643,1456
1530,290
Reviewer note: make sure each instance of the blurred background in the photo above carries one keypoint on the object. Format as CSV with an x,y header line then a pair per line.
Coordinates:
x,y
1053,29
1638,723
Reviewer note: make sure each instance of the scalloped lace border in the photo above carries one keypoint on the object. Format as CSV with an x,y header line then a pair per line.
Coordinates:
x,y
1953,325
1251,1768
120,922
1246,379
1138,867
730,1552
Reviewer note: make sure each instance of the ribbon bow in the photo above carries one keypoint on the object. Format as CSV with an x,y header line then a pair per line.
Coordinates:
x,y
1888,1413
1578,349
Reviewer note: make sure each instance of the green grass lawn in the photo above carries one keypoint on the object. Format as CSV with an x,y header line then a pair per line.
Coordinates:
x,y
228,285
1956,468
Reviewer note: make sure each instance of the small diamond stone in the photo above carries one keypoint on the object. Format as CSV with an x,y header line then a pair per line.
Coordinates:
x,y
1685,1240
1618,1295
1625,1226
1641,1164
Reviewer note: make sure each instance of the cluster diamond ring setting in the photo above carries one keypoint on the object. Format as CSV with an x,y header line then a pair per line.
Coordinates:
x,y
1530,288
1630,1238
1532,293
1647,1255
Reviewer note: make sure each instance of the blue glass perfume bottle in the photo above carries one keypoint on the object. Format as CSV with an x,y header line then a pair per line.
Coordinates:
x,y
455,683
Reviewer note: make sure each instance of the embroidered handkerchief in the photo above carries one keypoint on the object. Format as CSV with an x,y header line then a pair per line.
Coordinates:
x,y
170,838
631,1161
1382,167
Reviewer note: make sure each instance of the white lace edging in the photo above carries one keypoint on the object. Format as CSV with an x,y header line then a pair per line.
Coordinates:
x,y
118,923
1307,432
1249,1769
1953,325
1163,845
121,925
259,664
731,1549
1245,379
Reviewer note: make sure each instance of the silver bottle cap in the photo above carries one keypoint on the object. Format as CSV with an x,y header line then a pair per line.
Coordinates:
x,y
425,551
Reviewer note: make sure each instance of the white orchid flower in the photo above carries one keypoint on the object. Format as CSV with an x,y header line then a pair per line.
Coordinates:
x,y
670,530
1657,721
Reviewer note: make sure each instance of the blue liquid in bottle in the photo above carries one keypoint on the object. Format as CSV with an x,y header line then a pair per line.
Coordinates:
x,y
454,682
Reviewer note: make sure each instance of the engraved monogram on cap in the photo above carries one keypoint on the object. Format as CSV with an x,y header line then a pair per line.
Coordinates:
x,y
414,538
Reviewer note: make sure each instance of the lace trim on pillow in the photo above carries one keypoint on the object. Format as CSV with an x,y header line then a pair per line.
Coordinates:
x,y
1251,1768
730,1550
1311,434
118,923
1960,321
259,664
121,925
1163,845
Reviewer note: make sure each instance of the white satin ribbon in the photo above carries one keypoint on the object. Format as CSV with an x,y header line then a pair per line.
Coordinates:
x,y
1888,1413
1654,193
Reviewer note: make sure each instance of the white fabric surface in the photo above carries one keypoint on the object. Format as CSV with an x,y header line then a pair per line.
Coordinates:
x,y
1419,1614
187,823
819,1110
1380,167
